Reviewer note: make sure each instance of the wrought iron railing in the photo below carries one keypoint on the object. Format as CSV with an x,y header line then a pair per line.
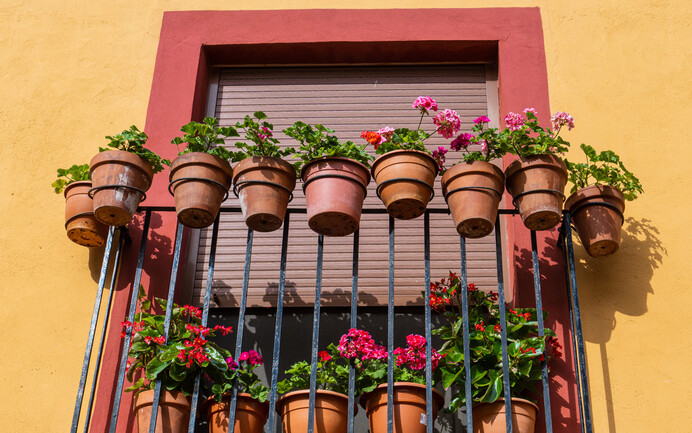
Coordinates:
x,y
577,341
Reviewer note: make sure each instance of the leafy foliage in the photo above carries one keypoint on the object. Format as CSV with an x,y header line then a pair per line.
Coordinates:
x,y
243,372
206,137
262,135
67,176
318,142
604,168
528,138
404,138
133,140
525,348
493,145
176,360
332,373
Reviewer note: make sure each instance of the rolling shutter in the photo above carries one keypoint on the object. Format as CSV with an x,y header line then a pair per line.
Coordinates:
x,y
348,100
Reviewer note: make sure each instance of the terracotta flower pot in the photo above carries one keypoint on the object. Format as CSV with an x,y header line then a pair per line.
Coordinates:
x,y
405,180
81,225
199,183
473,192
490,417
331,411
599,225
173,415
334,192
120,179
409,407
250,414
537,184
264,185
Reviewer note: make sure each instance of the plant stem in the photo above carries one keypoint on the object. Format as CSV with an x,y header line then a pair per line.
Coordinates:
x,y
421,119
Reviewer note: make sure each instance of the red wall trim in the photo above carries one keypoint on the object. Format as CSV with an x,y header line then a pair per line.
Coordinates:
x,y
191,42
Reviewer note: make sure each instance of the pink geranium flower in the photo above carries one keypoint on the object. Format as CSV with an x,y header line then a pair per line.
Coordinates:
x,y
448,123
514,121
425,104
252,357
387,133
482,119
462,141
560,119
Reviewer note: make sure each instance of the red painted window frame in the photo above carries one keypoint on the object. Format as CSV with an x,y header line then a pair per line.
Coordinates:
x,y
193,41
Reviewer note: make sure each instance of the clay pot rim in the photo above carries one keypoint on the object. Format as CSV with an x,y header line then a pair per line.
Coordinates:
x,y
436,393
399,151
212,160
337,158
543,159
517,399
176,394
282,400
586,194
206,404
253,162
466,167
125,158
73,184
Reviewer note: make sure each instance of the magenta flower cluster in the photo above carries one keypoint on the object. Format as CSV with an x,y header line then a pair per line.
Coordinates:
x,y
250,357
514,121
425,104
448,123
413,355
358,344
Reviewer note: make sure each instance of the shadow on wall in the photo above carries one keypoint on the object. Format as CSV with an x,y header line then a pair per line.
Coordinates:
x,y
617,284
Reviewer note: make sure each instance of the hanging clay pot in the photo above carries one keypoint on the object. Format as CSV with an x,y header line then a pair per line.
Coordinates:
x,y
331,411
473,191
264,185
490,417
334,192
173,415
537,185
199,183
250,414
405,180
81,225
597,214
409,408
120,180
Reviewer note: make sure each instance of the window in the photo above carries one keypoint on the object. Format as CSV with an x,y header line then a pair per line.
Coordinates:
x,y
349,100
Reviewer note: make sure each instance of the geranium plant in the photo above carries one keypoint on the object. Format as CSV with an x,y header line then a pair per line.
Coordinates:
x,y
244,372
133,140
492,146
525,137
260,132
526,350
370,359
318,142
66,176
603,168
358,348
332,373
387,139
205,137
179,358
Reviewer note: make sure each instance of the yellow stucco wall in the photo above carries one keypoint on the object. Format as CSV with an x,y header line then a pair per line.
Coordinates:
x,y
75,71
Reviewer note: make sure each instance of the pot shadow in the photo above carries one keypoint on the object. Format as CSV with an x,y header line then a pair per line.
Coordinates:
x,y
619,283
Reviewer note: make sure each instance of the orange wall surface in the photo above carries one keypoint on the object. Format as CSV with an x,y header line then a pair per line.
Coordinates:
x,y
76,71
